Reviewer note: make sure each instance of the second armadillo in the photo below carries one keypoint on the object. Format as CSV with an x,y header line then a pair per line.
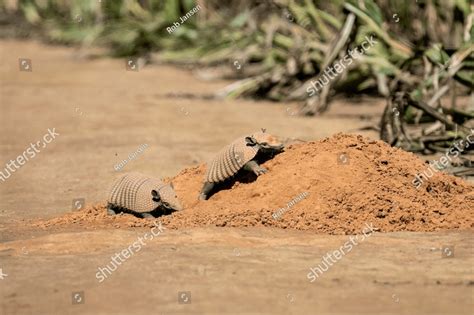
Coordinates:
x,y
240,154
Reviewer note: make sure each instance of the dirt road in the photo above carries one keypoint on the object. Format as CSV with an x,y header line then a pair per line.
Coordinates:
x,y
234,271
104,113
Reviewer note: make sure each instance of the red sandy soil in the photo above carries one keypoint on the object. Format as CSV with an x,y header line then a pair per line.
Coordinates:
x,y
375,186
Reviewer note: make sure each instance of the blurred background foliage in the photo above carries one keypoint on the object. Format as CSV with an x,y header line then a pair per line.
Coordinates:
x,y
275,48
281,43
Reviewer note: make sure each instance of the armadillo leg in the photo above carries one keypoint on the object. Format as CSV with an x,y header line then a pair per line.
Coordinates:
x,y
253,166
111,210
206,189
147,215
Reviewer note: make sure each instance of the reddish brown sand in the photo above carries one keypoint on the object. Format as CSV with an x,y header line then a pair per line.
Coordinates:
x,y
374,187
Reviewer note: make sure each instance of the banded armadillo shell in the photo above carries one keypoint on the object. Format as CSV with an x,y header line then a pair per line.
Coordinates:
x,y
230,160
133,192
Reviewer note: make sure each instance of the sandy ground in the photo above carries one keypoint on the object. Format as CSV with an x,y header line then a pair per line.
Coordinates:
x,y
103,113
238,271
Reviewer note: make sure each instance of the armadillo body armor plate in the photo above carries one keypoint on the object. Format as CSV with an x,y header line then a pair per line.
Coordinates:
x,y
133,192
230,160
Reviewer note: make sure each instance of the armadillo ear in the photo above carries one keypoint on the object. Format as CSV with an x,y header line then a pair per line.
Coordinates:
x,y
171,184
155,195
250,141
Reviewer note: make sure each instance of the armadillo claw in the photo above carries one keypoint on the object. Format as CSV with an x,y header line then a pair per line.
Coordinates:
x,y
260,171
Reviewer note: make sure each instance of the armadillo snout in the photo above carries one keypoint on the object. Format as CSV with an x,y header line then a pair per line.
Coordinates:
x,y
173,205
178,207
270,149
169,198
278,148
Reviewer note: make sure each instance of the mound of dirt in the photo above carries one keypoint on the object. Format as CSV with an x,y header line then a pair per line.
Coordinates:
x,y
334,186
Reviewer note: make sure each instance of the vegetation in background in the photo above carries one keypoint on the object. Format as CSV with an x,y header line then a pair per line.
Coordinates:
x,y
128,28
425,50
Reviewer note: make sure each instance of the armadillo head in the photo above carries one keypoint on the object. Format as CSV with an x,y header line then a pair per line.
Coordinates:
x,y
266,142
166,197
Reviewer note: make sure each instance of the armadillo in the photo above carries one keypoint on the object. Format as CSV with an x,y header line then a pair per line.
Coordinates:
x,y
142,196
240,154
